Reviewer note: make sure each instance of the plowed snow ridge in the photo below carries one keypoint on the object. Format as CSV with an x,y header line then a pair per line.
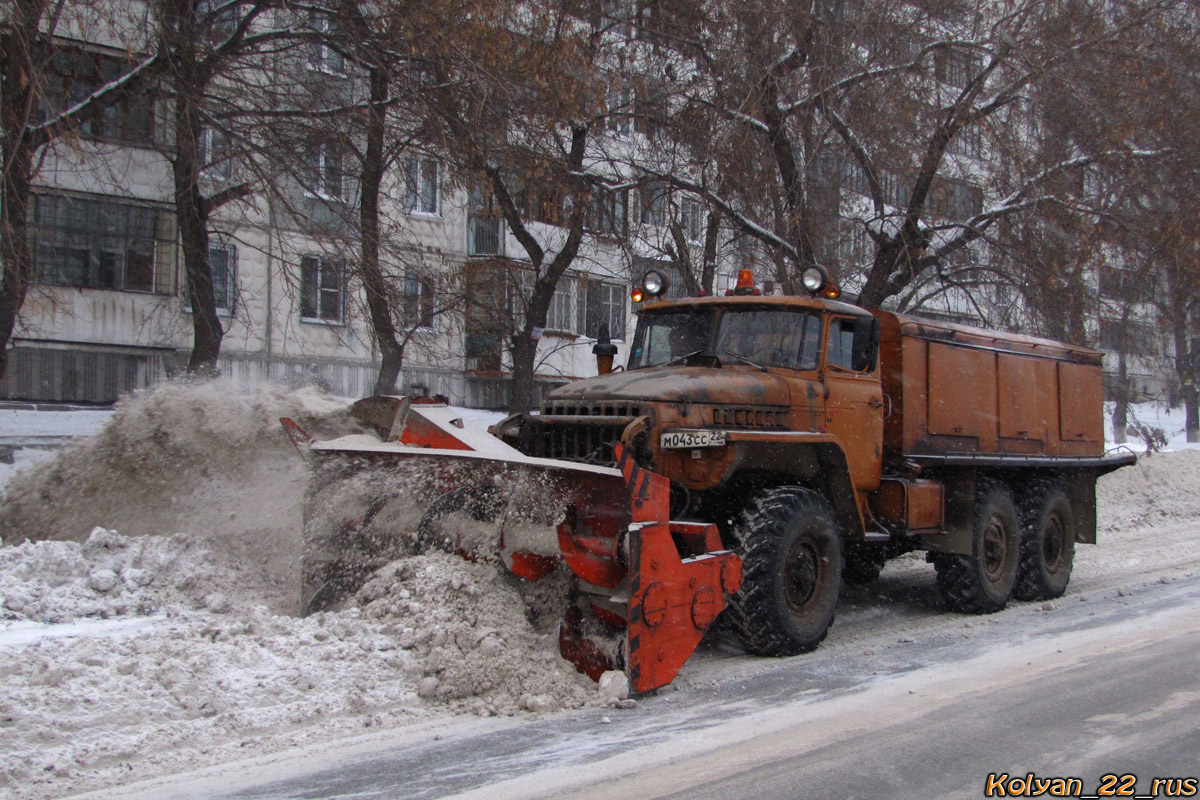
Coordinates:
x,y
148,627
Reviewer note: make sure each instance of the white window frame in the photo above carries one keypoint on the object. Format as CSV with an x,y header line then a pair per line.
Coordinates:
x,y
560,317
691,219
417,183
620,111
317,173
323,264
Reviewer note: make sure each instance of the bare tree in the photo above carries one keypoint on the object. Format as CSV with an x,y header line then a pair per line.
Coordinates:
x,y
521,111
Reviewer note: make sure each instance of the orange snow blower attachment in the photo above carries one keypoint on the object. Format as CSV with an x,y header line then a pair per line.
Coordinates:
x,y
670,580
645,590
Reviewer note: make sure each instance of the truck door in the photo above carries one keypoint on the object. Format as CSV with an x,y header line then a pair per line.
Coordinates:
x,y
854,404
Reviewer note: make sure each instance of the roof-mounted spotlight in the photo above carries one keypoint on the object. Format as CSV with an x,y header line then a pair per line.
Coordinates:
x,y
816,281
654,284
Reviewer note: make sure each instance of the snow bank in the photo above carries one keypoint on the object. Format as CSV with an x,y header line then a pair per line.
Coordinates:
x,y
191,457
208,663
1163,486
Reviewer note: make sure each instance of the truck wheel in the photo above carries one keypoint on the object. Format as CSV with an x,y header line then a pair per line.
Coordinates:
x,y
863,564
1047,544
982,582
791,572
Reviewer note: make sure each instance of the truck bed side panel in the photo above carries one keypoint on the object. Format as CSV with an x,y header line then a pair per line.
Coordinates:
x,y
959,390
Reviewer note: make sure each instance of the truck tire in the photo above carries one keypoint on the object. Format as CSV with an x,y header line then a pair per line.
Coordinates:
x,y
982,582
791,572
1047,543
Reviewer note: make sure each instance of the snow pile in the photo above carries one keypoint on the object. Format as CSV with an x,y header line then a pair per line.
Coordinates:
x,y
1162,486
467,625
111,575
187,456
173,642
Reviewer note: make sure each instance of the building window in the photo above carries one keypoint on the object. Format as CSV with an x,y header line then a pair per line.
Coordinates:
x,y
605,305
73,75
485,226
620,111
653,204
691,219
607,213
322,289
217,19
421,190
222,261
418,300
561,316
323,57
215,162
323,176
96,243
955,67
967,142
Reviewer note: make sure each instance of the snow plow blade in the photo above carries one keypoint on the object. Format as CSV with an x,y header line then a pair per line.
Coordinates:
x,y
645,588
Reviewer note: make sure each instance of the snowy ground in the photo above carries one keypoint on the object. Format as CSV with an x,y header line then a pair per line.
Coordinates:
x,y
150,629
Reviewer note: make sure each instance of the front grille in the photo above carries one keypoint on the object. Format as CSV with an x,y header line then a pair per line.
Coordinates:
x,y
750,417
580,408
577,430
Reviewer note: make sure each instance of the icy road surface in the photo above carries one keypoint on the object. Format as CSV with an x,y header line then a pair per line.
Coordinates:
x,y
1084,690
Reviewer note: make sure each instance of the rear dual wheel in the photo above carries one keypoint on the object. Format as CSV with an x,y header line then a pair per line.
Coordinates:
x,y
982,582
1047,543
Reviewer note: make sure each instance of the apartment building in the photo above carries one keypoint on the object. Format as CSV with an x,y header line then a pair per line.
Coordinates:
x,y
109,312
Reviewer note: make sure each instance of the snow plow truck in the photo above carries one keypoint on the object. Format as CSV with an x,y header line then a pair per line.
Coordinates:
x,y
754,453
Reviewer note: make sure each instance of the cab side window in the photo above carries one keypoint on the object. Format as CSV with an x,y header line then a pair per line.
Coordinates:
x,y
841,344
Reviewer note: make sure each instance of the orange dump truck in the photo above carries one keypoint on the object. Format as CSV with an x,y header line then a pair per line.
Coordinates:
x,y
757,451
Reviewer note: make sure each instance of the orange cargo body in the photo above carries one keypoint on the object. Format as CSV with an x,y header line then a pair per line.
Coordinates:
x,y
954,389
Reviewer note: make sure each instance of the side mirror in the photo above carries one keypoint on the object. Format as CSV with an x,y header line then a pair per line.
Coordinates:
x,y
866,344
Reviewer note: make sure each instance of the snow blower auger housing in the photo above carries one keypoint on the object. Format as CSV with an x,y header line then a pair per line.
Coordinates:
x,y
646,588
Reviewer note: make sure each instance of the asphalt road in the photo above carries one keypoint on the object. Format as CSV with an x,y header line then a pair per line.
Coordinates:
x,y
1068,689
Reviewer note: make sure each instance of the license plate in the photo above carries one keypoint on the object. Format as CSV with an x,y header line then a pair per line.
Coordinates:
x,y
683,440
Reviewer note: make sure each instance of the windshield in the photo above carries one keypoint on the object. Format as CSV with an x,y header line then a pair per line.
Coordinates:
x,y
665,336
762,337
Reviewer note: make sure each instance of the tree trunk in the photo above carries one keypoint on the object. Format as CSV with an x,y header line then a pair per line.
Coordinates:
x,y
524,352
1187,378
188,78
1121,401
391,352
191,212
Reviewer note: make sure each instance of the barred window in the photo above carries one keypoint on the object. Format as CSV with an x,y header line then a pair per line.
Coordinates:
x,y
99,243
322,289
